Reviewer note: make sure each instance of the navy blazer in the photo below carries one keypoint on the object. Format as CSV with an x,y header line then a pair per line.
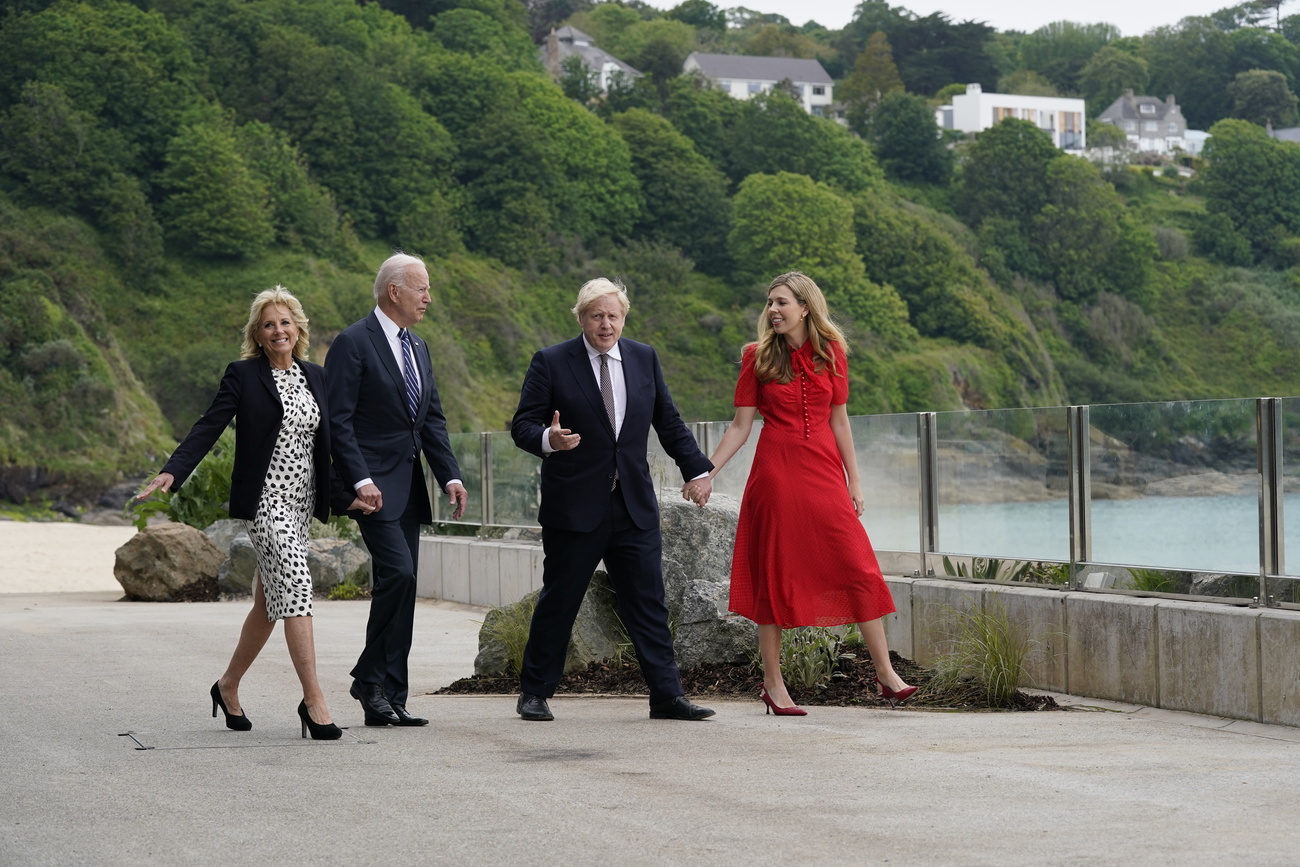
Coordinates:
x,y
248,394
373,434
576,482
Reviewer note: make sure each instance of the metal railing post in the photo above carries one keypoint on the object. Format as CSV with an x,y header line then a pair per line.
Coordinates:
x,y
1268,434
485,474
1078,427
927,451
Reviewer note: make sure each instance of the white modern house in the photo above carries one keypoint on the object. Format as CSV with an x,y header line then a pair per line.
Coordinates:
x,y
974,111
743,77
572,42
1151,124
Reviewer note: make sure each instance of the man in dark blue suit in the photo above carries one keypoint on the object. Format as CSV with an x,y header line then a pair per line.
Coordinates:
x,y
385,413
598,501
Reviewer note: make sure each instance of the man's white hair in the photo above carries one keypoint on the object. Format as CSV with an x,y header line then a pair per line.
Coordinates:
x,y
394,270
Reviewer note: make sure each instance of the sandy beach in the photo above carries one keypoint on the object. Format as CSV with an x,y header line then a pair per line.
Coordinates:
x,y
56,557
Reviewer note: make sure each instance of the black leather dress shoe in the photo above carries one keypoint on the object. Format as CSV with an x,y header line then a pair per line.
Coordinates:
x,y
679,708
533,707
404,718
378,711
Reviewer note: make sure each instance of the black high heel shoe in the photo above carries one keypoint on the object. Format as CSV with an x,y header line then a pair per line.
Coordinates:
x,y
239,723
326,732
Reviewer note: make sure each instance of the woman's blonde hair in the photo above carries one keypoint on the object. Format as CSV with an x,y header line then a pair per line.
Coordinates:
x,y
277,295
772,355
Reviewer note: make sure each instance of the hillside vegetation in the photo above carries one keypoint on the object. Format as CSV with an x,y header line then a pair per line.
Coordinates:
x,y
162,161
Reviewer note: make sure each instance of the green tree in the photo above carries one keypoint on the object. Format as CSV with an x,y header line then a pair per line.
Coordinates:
x,y
656,48
1089,240
1192,60
215,206
930,51
907,141
1251,183
1060,51
1110,72
578,80
302,212
704,115
473,32
700,14
1002,188
789,222
1027,82
774,134
1262,96
874,77
686,201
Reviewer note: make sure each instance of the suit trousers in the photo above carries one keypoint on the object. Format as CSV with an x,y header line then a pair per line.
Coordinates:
x,y
394,548
633,559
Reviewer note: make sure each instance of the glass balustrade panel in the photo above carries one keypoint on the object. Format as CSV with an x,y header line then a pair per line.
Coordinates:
x,y
516,482
1175,488
1285,589
1003,488
891,486
465,446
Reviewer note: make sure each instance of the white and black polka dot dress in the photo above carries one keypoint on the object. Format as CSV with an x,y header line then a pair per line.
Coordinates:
x,y
279,531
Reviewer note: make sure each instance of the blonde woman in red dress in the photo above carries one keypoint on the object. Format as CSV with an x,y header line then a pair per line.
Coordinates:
x,y
802,557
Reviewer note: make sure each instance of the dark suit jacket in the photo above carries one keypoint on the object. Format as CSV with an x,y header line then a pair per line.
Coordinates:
x,y
248,394
373,434
575,483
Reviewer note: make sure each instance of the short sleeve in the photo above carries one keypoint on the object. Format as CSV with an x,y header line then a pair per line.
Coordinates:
x,y
747,385
840,378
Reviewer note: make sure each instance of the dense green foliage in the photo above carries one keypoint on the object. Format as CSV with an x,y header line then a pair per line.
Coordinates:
x,y
163,160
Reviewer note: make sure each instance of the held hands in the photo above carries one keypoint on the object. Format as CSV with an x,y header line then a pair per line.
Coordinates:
x,y
371,496
698,490
360,505
561,438
458,499
162,480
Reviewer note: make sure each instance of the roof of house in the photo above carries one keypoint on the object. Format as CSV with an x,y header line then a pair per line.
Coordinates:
x,y
1287,133
739,66
1128,107
572,42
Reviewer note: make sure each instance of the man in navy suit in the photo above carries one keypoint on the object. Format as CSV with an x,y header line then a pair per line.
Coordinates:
x,y
598,501
385,413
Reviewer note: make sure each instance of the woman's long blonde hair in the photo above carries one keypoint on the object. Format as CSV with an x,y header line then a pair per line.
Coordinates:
x,y
276,295
772,354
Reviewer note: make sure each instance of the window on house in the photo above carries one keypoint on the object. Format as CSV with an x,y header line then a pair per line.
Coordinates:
x,y
725,86
1147,108
1027,114
1150,126
1130,126
819,90
1173,129
819,110
1000,114
755,87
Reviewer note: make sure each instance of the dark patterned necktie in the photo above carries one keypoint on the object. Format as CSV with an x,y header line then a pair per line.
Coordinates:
x,y
607,394
408,372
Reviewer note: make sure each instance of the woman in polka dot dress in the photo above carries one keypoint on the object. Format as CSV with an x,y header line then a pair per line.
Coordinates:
x,y
281,478
801,556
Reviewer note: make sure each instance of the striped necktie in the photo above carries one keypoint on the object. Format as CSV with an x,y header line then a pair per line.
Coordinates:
x,y
408,373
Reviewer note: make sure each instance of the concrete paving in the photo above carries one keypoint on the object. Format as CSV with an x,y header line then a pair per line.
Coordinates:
x,y
1103,784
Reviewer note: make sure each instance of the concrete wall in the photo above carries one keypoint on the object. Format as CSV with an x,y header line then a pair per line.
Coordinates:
x,y
1194,656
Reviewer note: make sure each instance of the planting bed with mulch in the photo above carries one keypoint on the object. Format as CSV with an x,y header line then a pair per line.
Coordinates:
x,y
852,685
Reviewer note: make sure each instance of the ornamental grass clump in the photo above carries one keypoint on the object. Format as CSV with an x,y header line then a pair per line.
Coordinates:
x,y
809,655
986,654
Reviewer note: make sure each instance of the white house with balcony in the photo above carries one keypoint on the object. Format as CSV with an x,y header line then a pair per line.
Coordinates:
x,y
1151,124
974,111
744,77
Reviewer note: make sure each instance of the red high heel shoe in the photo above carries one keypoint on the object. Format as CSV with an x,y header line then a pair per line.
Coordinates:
x,y
773,708
891,696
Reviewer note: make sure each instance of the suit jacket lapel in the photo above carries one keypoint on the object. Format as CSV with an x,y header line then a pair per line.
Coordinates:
x,y
385,351
634,374
580,365
265,377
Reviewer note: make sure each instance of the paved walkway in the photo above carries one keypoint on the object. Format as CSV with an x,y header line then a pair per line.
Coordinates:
x,y
602,784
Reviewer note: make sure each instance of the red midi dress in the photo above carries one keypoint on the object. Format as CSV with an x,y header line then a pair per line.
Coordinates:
x,y
802,557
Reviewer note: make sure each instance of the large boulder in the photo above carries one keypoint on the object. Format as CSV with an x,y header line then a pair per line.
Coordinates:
x,y
168,562
697,576
337,561
239,569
